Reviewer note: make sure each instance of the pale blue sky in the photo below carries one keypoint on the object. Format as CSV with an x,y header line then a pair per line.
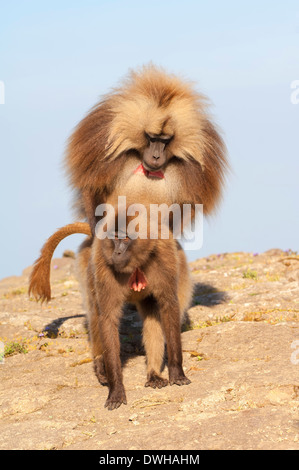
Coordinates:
x,y
57,58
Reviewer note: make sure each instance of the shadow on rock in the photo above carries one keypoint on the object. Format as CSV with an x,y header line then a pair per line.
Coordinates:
x,y
52,329
207,295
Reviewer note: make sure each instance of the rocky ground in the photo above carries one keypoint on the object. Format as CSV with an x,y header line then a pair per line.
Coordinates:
x,y
241,352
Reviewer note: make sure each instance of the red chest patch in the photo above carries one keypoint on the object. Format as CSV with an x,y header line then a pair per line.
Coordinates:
x,y
140,170
137,281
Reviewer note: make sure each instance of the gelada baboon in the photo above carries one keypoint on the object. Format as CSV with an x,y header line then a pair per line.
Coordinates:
x,y
151,139
152,274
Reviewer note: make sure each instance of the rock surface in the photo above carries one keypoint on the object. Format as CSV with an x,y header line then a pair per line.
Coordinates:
x,y
241,352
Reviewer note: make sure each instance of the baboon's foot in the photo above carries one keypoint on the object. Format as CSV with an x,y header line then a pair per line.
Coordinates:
x,y
155,381
180,381
177,376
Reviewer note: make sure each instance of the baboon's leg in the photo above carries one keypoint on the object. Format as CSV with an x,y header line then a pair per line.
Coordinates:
x,y
94,332
109,335
153,340
185,284
103,317
96,346
86,280
171,325
109,301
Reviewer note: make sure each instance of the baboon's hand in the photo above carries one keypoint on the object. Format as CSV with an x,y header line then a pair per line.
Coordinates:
x,y
116,398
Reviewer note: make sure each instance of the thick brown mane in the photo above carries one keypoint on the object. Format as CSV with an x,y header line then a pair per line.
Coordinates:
x,y
149,101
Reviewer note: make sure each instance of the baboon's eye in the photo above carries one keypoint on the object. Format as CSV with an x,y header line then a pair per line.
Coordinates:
x,y
150,138
164,139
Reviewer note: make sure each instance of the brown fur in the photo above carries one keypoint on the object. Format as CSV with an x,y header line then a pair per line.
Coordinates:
x,y
161,305
39,283
110,141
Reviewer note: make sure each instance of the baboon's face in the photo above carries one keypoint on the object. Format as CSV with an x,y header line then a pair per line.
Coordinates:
x,y
156,154
122,251
118,251
126,254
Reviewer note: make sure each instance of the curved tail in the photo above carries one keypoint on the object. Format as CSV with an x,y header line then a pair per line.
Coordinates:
x,y
39,284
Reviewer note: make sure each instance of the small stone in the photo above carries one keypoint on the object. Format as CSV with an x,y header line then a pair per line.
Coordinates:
x,y
133,417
